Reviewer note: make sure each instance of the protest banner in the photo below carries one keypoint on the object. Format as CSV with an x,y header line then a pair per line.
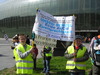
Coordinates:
x,y
55,27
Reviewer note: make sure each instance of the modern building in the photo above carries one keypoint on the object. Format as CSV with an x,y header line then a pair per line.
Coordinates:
x,y
17,16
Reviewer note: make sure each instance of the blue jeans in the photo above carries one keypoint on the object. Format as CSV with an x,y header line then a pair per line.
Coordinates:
x,y
77,73
46,66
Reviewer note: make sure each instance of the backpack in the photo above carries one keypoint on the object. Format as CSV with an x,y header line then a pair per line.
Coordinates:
x,y
96,51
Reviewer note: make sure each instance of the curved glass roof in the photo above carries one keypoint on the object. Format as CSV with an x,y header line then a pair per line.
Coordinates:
x,y
9,8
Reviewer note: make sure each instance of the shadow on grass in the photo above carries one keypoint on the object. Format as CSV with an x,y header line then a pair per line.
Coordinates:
x,y
60,73
37,70
52,72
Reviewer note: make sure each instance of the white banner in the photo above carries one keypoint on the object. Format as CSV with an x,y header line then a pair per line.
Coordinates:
x,y
58,27
43,41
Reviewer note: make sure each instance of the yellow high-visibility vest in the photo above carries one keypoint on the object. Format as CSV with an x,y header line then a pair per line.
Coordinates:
x,y
25,65
79,65
48,54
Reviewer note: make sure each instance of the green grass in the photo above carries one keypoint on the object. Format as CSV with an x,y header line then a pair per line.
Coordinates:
x,y
57,67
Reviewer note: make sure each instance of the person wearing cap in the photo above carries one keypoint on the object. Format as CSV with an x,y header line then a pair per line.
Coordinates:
x,y
76,55
47,54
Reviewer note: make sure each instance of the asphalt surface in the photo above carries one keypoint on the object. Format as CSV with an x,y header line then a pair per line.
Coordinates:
x,y
6,53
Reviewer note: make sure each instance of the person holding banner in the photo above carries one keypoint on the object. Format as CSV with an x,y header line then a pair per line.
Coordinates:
x,y
77,55
23,56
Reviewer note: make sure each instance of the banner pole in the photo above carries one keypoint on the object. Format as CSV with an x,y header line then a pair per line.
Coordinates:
x,y
63,45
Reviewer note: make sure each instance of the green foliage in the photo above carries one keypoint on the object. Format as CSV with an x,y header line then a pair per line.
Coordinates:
x,y
13,31
57,66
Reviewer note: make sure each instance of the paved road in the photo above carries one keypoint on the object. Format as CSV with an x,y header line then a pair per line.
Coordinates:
x,y
6,54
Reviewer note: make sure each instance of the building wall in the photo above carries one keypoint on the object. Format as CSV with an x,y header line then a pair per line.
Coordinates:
x,y
17,16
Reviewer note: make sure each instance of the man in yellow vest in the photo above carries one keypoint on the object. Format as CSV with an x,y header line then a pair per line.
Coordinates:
x,y
23,56
77,55
47,54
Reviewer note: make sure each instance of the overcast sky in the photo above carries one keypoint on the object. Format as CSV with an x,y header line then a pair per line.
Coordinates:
x,y
1,1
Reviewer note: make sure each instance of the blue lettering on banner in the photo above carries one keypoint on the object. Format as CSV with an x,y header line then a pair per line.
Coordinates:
x,y
64,25
53,36
58,28
58,31
46,21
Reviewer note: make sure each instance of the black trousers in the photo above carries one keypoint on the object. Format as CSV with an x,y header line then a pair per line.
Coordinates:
x,y
34,63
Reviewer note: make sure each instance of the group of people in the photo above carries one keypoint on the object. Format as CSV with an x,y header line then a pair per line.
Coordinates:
x,y
77,55
25,56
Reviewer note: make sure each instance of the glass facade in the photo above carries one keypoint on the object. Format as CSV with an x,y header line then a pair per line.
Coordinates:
x,y
17,16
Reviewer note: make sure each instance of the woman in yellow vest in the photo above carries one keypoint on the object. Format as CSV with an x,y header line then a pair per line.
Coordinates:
x,y
23,56
77,55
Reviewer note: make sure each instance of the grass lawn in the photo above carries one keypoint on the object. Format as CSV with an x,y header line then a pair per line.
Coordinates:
x,y
57,67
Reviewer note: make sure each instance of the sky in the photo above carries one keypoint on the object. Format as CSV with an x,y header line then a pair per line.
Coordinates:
x,y
2,1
